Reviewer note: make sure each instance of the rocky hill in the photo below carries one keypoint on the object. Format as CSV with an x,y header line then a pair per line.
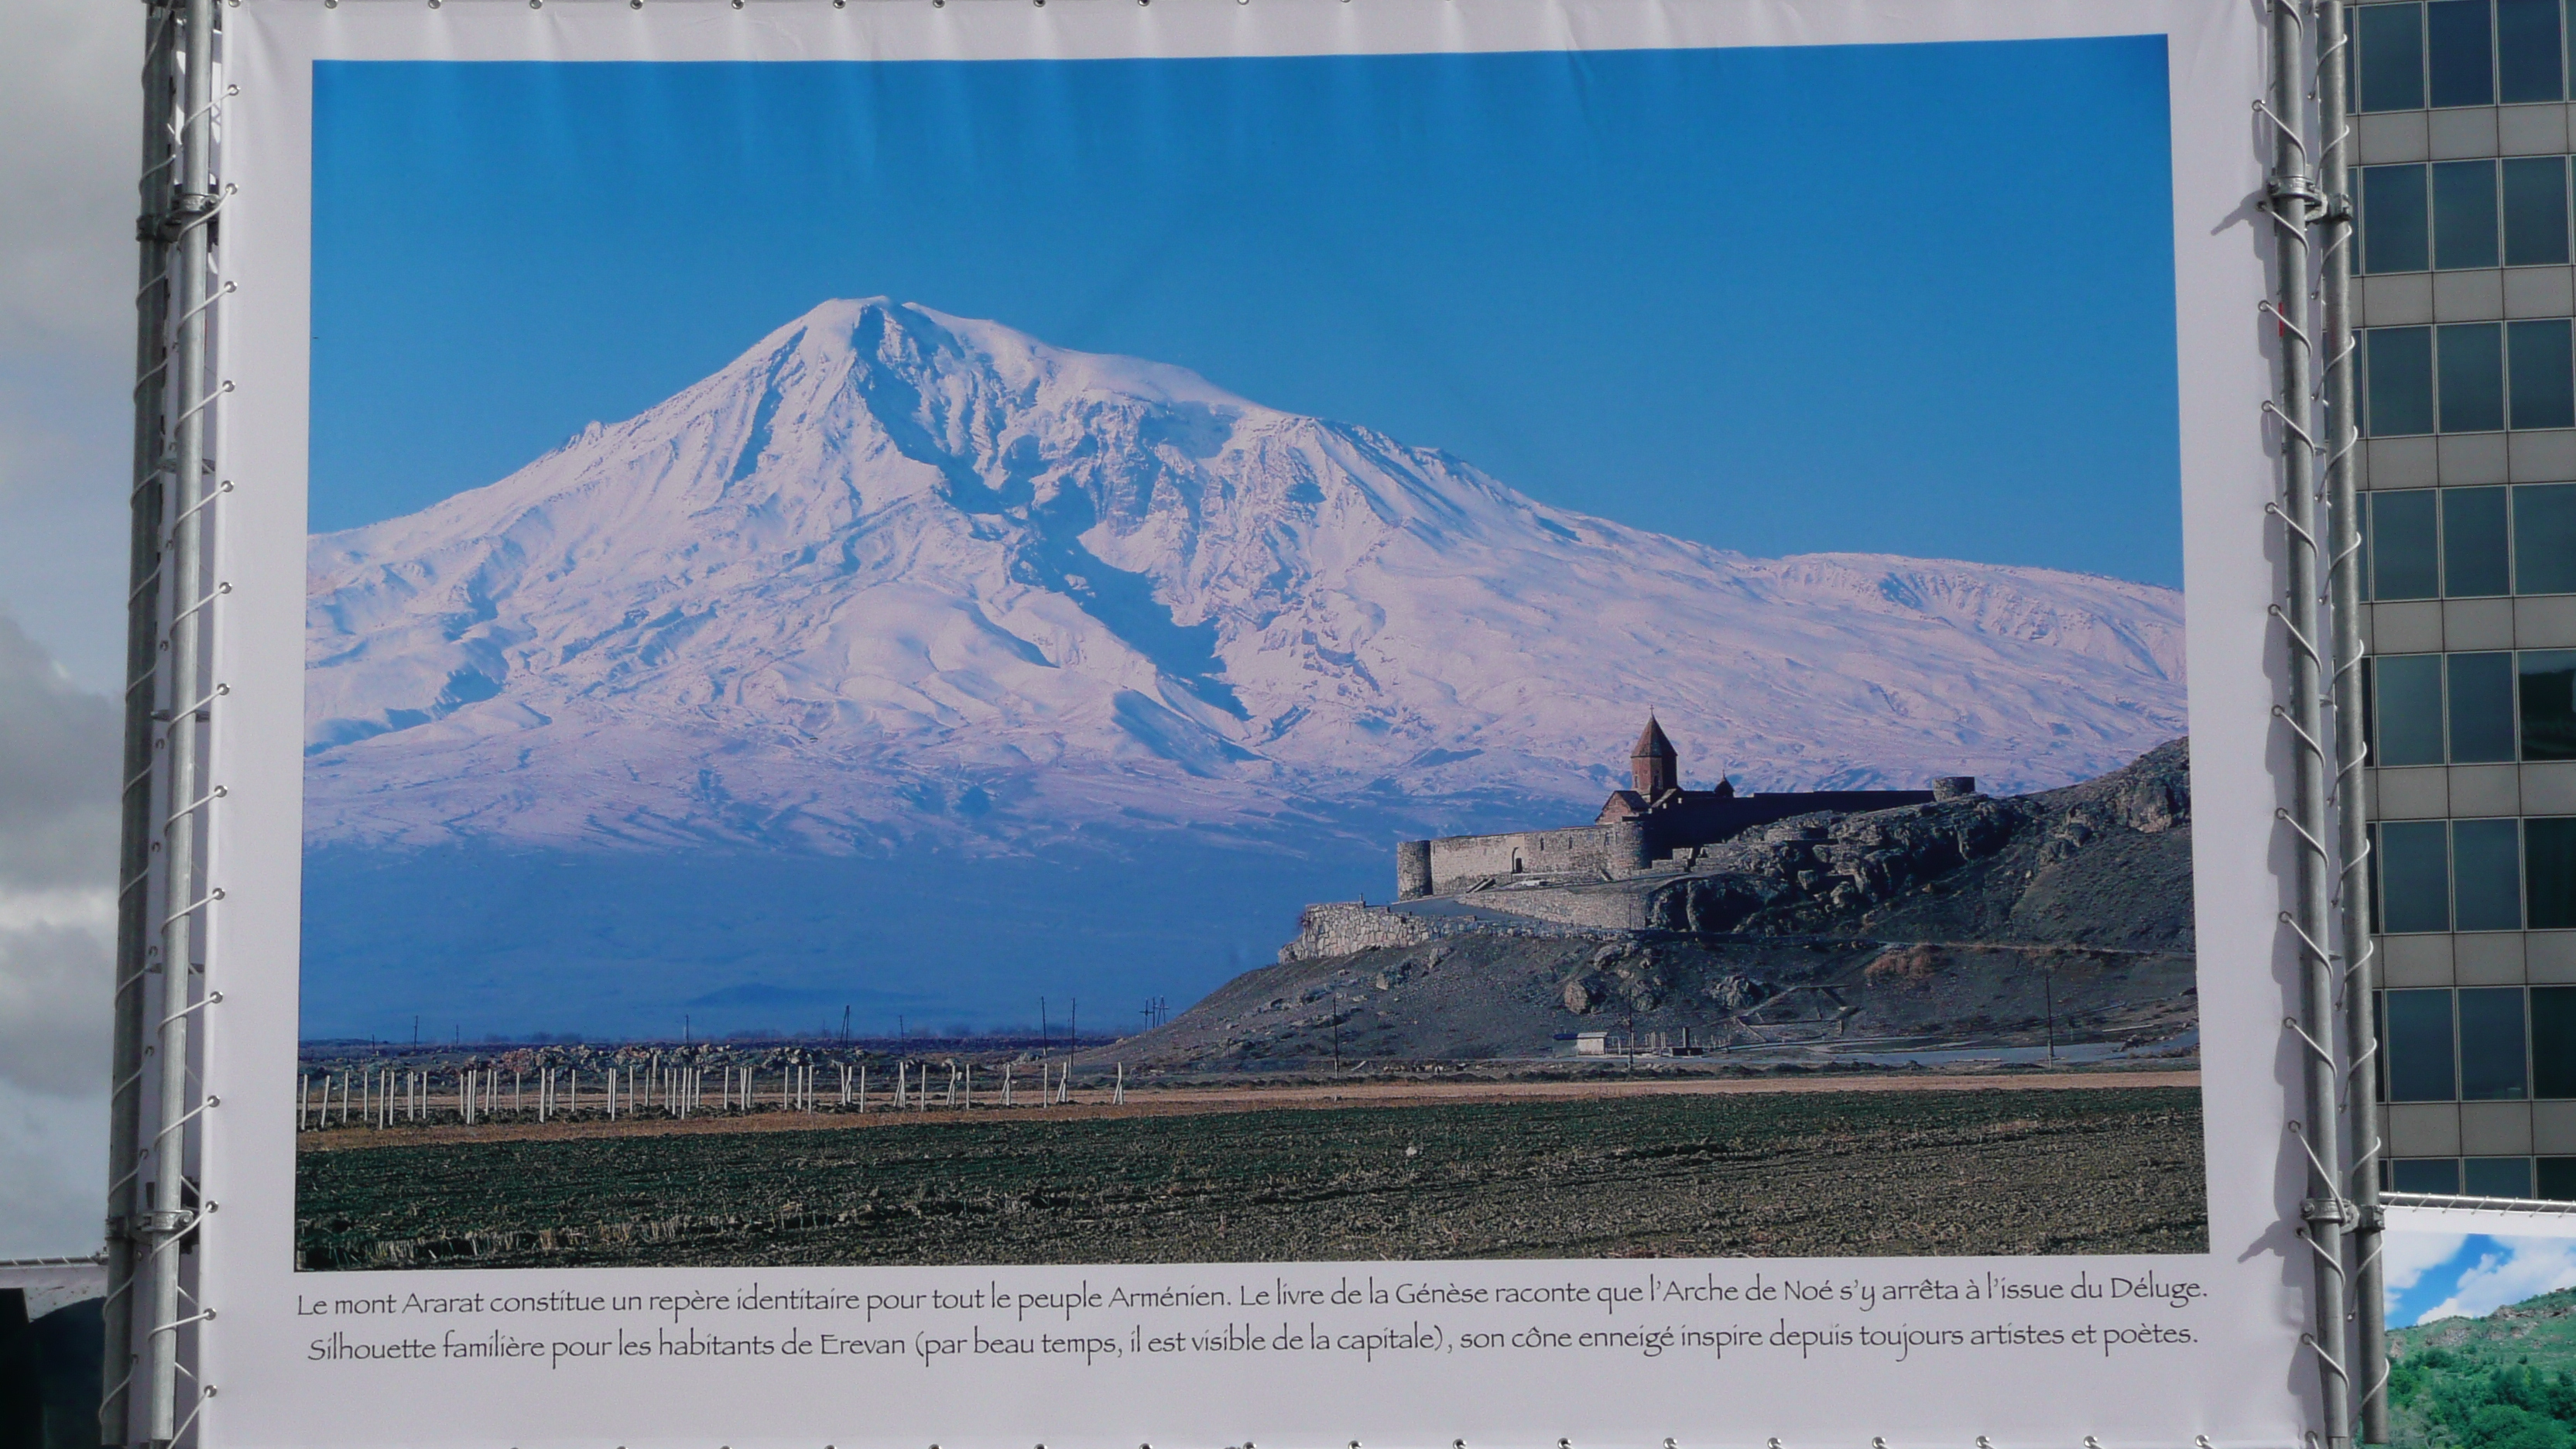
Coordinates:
x,y
2505,1381
1957,928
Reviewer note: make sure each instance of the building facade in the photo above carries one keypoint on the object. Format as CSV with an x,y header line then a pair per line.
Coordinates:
x,y
2465,298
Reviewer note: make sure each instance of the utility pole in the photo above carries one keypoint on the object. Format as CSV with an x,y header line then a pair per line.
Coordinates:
x,y
1042,1027
2048,995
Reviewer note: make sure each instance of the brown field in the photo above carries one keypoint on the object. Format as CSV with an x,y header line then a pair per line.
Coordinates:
x,y
1326,1172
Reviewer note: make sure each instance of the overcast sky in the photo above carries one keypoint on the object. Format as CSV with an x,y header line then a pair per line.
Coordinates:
x,y
68,106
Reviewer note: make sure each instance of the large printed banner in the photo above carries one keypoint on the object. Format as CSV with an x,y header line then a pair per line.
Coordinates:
x,y
1300,722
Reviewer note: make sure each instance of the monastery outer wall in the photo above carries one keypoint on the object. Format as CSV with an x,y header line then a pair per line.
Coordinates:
x,y
1605,910
1461,860
1337,928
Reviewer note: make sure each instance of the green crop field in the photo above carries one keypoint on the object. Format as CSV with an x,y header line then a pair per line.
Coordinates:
x,y
1773,1174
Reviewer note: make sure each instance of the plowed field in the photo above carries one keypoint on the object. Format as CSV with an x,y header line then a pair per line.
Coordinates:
x,y
2082,1170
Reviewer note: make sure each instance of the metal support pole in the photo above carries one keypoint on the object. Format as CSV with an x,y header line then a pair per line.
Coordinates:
x,y
2340,420
186,394
134,899
2293,204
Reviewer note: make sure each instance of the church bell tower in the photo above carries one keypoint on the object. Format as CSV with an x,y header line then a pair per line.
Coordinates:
x,y
1654,764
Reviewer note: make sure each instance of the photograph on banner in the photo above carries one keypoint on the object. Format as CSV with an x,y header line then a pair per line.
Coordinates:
x,y
2482,1337
1246,659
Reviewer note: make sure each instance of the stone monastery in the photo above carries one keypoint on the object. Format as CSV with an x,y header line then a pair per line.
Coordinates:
x,y
1653,821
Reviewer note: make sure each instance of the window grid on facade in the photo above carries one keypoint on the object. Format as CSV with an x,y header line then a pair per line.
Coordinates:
x,y
2464,194
2470,543
2450,53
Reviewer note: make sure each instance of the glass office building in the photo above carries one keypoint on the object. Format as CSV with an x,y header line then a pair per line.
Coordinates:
x,y
2465,295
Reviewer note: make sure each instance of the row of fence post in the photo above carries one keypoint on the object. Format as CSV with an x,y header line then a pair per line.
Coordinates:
x,y
381,1096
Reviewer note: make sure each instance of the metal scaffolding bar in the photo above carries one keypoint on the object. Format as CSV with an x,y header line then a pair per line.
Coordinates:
x,y
2294,205
134,901
2339,434
169,705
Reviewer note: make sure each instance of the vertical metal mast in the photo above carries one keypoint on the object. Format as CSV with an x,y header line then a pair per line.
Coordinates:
x,y
2293,203
169,710
134,902
2341,422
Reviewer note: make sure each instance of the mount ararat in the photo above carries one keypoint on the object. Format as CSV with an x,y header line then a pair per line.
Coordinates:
x,y
896,579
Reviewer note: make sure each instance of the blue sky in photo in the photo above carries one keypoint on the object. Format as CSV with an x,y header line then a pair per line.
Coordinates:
x,y
2445,1275
1777,300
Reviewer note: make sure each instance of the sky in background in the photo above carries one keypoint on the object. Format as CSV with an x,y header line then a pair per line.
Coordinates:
x,y
1777,300
69,103
2470,1275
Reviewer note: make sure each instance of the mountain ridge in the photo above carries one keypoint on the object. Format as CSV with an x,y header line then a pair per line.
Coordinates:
x,y
893,574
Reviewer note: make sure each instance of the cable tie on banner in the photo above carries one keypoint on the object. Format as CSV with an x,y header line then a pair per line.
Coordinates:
x,y
2377,1384
2305,647
2322,1053
2313,1161
204,1392
203,901
186,1010
2304,738
169,536
2274,409
212,298
2310,1340
2313,844
202,801
2266,304
181,617
150,581
181,421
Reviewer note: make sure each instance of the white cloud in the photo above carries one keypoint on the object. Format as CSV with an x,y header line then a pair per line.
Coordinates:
x,y
53,1175
2404,1258
71,105
2521,1268
58,774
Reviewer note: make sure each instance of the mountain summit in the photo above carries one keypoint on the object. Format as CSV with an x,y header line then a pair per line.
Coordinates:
x,y
893,573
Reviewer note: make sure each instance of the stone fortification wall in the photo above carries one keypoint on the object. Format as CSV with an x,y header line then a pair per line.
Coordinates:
x,y
1606,908
1337,928
1461,860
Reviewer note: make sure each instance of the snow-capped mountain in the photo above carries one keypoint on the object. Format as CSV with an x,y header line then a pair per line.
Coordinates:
x,y
895,575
